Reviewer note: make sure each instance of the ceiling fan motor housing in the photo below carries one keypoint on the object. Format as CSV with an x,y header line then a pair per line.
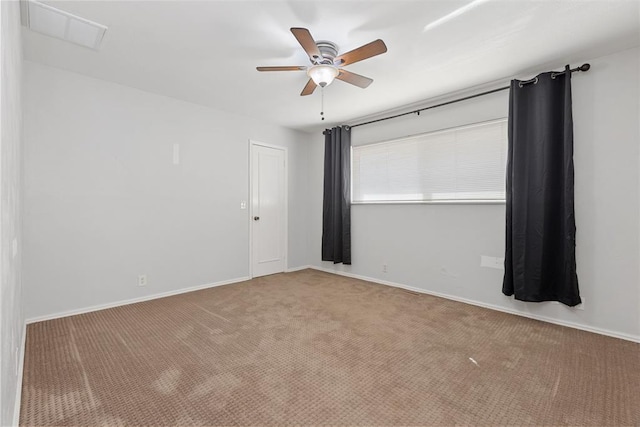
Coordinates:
x,y
329,51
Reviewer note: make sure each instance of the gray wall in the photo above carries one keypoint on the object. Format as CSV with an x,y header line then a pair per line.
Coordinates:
x,y
104,202
11,316
437,248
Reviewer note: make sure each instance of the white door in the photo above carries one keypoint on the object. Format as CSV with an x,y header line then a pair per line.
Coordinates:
x,y
268,210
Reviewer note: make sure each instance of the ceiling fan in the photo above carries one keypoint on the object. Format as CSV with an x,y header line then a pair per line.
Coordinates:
x,y
326,65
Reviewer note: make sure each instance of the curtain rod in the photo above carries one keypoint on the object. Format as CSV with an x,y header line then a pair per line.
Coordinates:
x,y
583,67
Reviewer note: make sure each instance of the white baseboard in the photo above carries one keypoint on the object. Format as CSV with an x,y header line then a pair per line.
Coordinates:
x,y
593,329
587,328
134,300
21,353
291,270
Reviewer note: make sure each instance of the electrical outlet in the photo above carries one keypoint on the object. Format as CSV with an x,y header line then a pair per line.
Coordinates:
x,y
384,268
142,280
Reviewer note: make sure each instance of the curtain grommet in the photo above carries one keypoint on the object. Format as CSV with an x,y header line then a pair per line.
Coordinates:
x,y
534,81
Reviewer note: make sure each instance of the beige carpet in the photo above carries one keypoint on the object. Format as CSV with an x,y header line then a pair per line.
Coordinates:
x,y
310,348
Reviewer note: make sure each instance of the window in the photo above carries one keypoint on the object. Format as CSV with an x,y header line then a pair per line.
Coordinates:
x,y
463,164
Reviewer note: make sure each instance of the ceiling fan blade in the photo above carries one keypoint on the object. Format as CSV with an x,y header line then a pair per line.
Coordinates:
x,y
306,41
374,48
354,79
283,68
309,88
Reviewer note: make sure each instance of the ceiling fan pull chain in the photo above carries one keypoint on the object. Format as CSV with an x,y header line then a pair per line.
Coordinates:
x,y
322,102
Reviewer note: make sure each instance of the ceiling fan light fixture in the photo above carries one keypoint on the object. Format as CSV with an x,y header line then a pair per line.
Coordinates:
x,y
322,74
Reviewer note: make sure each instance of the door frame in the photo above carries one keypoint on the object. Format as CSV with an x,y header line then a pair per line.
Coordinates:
x,y
253,143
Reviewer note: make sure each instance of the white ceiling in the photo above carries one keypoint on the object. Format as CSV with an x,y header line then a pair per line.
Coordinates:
x,y
206,52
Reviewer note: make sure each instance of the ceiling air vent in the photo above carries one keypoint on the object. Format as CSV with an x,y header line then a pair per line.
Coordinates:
x,y
62,25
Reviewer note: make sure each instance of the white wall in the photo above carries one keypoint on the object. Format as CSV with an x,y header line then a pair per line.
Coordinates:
x,y
11,316
104,203
437,248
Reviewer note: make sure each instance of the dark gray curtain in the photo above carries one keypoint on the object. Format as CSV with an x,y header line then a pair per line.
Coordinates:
x,y
336,209
540,260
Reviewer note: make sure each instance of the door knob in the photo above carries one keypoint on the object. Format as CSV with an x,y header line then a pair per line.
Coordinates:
x,y
256,218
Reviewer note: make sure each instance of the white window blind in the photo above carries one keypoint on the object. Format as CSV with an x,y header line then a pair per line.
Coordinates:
x,y
461,164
